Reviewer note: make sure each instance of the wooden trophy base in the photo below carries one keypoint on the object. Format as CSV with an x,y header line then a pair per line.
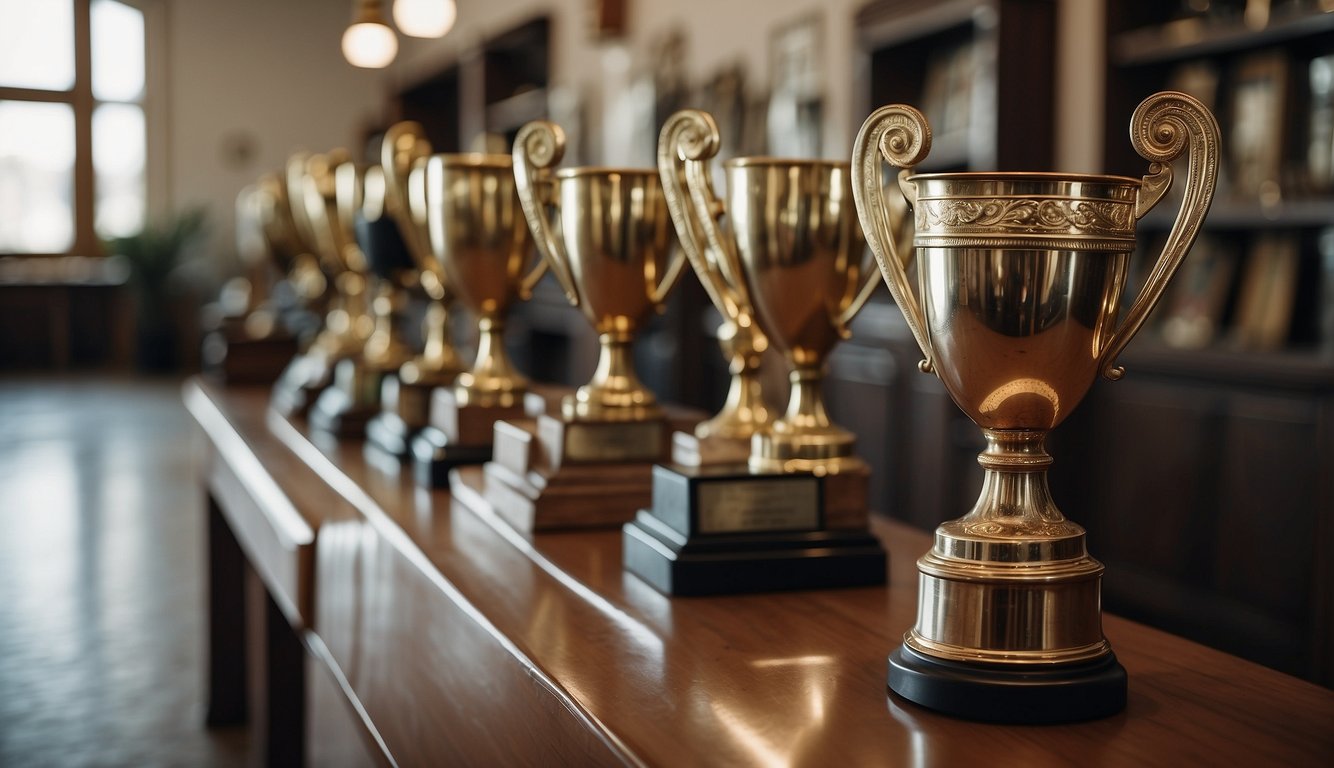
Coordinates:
x,y
548,474
691,451
726,530
230,356
404,413
343,410
459,435
300,384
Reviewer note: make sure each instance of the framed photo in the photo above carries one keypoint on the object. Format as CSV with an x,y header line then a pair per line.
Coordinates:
x,y
796,94
1267,293
1320,131
1257,124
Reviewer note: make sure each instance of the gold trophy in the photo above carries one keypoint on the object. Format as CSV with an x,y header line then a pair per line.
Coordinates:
x,y
376,254
481,245
725,438
1020,277
607,236
405,399
245,338
793,516
312,205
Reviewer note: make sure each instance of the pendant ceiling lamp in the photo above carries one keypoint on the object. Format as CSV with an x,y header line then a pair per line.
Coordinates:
x,y
369,42
425,18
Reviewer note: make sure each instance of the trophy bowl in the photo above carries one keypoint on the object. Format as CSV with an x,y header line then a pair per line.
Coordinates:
x,y
607,235
479,237
802,250
1020,281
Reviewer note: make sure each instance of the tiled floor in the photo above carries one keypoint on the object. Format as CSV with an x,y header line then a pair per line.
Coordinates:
x,y
101,579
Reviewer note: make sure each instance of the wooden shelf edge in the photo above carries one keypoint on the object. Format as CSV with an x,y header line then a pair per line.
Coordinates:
x,y
1189,38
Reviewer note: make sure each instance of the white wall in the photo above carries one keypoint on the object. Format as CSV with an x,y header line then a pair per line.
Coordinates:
x,y
269,72
721,32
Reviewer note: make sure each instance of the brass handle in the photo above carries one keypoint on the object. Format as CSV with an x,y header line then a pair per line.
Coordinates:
x,y
404,149
869,280
689,139
538,147
1164,126
529,280
658,294
900,135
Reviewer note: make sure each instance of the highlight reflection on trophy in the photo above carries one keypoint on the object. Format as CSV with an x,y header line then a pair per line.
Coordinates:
x,y
312,204
405,399
606,234
796,516
1020,277
481,245
376,253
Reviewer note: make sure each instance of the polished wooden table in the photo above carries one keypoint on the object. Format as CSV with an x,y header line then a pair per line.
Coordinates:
x,y
434,635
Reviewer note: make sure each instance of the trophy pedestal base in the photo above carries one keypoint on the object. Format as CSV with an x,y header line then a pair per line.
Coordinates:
x,y
727,530
299,385
344,409
234,358
741,563
337,414
390,435
433,456
461,434
549,474
404,414
1031,695
691,451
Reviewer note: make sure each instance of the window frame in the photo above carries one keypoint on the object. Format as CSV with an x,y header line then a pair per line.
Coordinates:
x,y
86,241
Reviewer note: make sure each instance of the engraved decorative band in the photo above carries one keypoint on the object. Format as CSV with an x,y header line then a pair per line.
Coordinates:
x,y
1027,216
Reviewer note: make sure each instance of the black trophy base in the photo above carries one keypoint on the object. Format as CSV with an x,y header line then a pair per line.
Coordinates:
x,y
1059,694
433,456
750,562
390,435
338,415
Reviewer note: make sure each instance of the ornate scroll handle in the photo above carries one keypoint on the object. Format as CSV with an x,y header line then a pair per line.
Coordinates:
x,y
319,198
294,198
1165,126
689,139
538,147
900,135
404,146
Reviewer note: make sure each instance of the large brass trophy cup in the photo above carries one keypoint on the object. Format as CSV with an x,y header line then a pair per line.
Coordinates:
x,y
376,252
607,236
405,398
312,204
792,514
480,243
1020,277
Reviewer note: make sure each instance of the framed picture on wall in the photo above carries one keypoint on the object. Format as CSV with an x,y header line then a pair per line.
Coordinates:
x,y
796,88
1255,149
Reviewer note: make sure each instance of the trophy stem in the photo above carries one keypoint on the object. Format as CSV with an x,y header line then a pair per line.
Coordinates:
x,y
744,412
804,439
615,392
385,349
438,354
493,380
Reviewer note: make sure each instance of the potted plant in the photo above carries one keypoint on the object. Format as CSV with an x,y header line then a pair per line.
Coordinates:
x,y
153,255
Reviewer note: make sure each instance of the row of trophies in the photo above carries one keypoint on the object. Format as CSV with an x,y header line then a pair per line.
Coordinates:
x,y
1018,287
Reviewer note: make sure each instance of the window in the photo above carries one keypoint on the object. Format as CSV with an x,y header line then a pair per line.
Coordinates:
x,y
73,138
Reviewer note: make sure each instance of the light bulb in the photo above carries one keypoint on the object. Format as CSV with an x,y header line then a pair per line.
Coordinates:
x,y
369,44
425,18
